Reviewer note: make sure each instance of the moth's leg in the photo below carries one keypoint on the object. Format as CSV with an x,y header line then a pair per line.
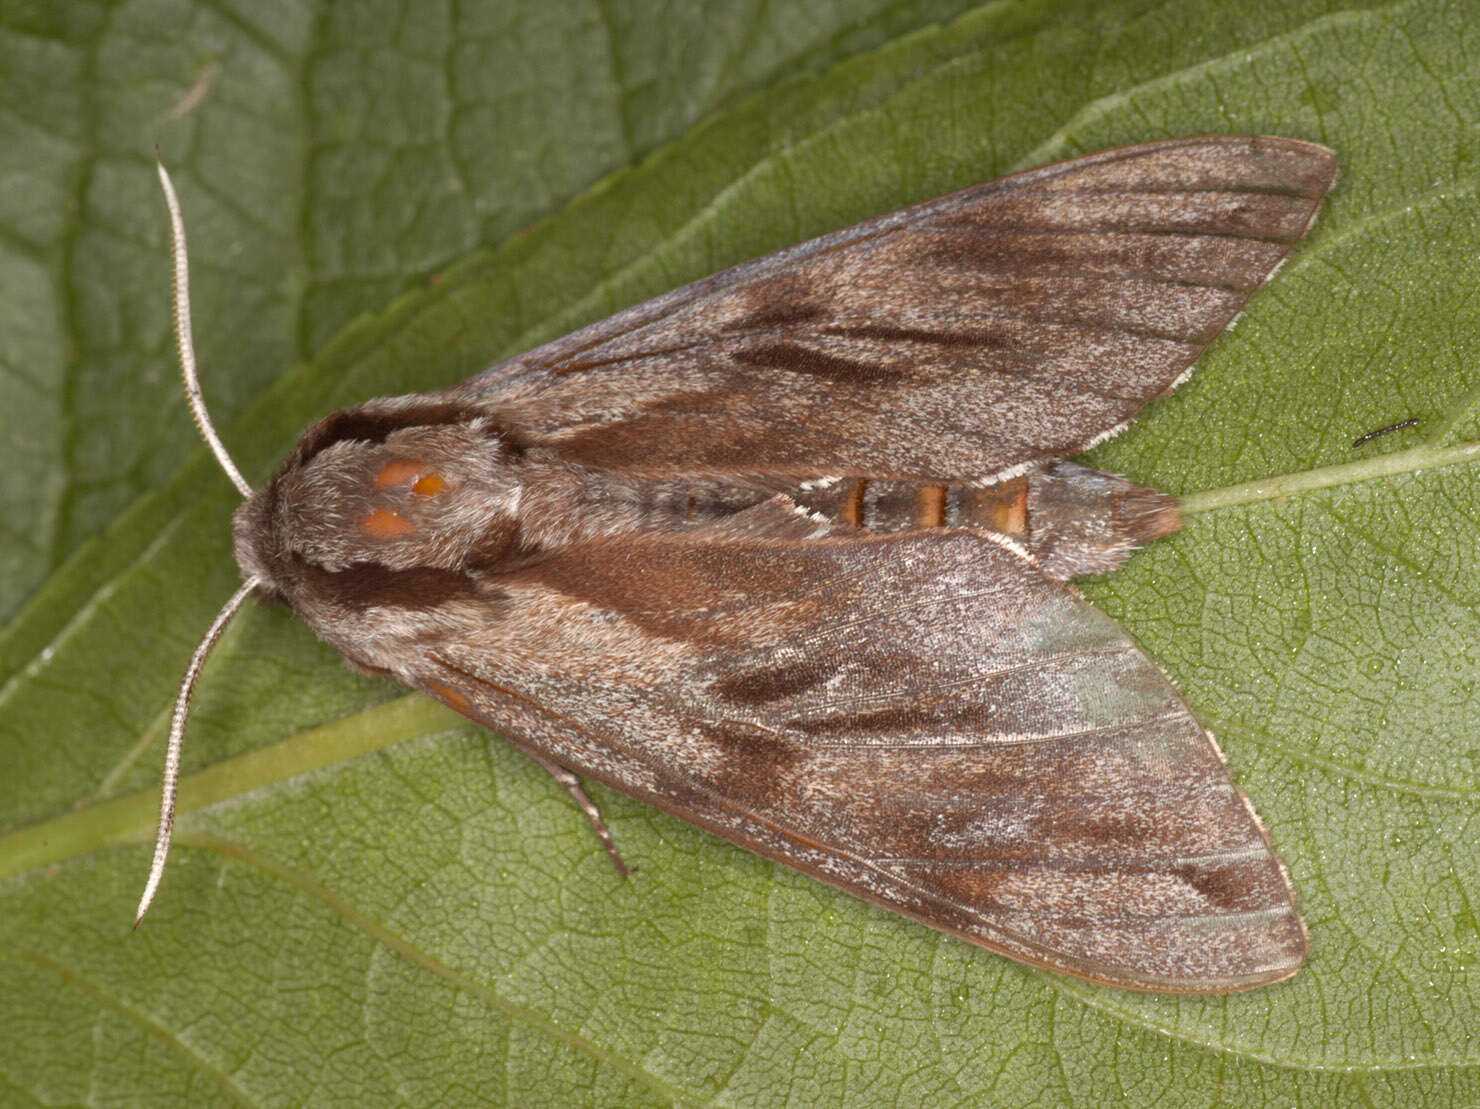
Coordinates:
x,y
588,806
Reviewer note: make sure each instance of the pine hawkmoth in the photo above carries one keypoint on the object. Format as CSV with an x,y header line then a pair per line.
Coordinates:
x,y
787,552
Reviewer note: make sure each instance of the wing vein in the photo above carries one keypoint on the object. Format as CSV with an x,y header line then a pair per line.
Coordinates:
x,y
1022,739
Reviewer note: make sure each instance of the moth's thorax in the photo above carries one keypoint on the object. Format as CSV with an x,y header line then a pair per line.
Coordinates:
x,y
434,496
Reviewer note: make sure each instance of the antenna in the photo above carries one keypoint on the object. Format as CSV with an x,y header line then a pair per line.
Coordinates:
x,y
170,782
185,344
185,339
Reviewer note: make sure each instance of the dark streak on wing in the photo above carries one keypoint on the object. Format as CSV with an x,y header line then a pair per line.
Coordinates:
x,y
817,362
1200,261
364,424
369,583
937,336
773,683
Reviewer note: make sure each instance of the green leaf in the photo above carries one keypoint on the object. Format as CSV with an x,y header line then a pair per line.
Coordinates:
x,y
369,901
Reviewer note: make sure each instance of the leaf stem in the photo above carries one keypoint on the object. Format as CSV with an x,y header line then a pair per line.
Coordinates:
x,y
1347,473
130,818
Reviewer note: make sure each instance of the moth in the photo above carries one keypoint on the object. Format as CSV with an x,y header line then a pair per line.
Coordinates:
x,y
788,553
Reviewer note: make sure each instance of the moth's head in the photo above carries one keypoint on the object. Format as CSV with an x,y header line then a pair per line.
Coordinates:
x,y
397,484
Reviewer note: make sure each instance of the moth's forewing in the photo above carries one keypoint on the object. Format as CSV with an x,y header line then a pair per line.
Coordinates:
x,y
1023,318
923,720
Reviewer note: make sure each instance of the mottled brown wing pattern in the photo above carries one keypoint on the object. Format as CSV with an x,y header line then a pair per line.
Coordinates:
x,y
661,551
1024,318
921,719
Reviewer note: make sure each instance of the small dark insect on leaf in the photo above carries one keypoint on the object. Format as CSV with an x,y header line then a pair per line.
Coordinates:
x,y
786,553
1371,435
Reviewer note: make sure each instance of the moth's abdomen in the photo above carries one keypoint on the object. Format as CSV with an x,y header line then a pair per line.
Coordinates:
x,y
1075,520
1082,521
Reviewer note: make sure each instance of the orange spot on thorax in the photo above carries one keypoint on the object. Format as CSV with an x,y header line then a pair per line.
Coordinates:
x,y
425,481
399,472
384,523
